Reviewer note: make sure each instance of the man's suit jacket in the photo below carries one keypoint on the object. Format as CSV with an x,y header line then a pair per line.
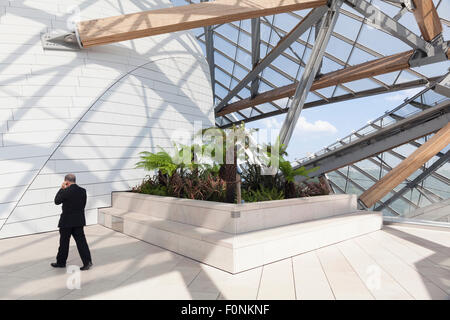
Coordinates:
x,y
73,200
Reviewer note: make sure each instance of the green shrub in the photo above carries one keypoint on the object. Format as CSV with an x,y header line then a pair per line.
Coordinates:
x,y
264,194
198,186
182,176
161,161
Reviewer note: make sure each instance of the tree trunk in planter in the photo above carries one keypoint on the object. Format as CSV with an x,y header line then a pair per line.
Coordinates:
x,y
326,184
162,178
289,190
228,173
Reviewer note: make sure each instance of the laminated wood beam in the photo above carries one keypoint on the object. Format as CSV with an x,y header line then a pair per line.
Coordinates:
x,y
167,20
428,19
368,69
396,62
407,167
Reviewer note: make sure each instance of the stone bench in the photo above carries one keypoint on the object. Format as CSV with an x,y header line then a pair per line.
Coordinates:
x,y
223,240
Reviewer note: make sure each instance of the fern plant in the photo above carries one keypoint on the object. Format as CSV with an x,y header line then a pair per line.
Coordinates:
x,y
262,194
160,160
289,173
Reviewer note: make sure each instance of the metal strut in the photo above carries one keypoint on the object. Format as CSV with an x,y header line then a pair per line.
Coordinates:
x,y
311,69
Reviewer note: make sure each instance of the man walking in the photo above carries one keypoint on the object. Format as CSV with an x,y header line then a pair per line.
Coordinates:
x,y
72,221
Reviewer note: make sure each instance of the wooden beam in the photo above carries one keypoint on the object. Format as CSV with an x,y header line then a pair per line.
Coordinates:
x,y
364,70
372,68
407,167
344,97
167,20
428,19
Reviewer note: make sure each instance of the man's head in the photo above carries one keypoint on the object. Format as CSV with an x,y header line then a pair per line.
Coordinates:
x,y
70,179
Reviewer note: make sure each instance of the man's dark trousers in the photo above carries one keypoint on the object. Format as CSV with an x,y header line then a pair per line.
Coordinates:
x,y
80,240
71,223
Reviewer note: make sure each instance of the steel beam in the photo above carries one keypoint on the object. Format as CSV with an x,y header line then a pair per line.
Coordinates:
x,y
311,68
386,167
316,35
408,166
427,18
425,174
166,20
387,138
256,53
209,44
284,43
401,157
345,97
420,105
396,62
443,87
209,39
382,21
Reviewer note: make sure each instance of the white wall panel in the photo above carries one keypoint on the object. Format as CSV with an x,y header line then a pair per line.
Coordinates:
x,y
89,112
25,151
31,137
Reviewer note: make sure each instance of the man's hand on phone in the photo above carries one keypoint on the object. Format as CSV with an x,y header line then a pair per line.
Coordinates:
x,y
64,185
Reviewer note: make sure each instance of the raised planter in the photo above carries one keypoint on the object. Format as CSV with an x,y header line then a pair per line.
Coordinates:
x,y
236,237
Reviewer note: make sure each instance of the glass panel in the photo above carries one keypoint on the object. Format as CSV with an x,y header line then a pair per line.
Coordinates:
x,y
337,179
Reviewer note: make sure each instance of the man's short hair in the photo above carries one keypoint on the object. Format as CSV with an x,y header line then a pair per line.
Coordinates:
x,y
70,177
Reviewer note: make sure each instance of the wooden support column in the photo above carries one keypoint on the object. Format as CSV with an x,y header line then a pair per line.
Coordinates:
x,y
167,20
407,167
428,19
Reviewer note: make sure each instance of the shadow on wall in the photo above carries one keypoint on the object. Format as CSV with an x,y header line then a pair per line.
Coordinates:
x,y
89,112
89,130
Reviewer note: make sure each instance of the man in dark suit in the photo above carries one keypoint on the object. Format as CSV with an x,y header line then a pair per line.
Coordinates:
x,y
72,221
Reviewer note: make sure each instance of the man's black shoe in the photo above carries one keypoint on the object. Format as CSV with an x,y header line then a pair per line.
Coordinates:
x,y
57,265
86,267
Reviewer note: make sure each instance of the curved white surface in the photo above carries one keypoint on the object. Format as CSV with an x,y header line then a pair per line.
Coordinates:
x,y
89,112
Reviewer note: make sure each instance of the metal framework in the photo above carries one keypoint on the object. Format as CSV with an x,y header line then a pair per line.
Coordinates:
x,y
323,35
256,52
367,164
276,34
425,174
301,28
238,80
328,51
209,43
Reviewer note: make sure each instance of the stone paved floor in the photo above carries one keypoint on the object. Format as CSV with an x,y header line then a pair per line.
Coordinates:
x,y
394,263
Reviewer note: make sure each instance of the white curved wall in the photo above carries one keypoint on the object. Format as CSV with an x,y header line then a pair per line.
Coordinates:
x,y
89,112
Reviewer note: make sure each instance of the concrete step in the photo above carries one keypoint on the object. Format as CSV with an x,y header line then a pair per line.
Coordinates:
x,y
239,252
234,218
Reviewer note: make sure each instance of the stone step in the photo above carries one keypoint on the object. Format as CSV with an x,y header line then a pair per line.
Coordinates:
x,y
239,252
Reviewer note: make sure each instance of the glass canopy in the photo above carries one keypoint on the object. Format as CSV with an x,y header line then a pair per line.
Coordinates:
x,y
360,176
354,41
408,197
230,51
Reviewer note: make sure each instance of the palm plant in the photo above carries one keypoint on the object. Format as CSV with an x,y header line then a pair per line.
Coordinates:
x,y
227,142
289,174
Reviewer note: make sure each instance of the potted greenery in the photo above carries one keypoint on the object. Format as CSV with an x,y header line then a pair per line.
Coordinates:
x,y
212,176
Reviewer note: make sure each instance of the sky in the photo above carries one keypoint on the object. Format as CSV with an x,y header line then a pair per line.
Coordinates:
x,y
321,126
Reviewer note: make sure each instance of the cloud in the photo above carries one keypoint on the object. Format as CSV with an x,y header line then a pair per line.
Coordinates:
x,y
303,126
318,126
